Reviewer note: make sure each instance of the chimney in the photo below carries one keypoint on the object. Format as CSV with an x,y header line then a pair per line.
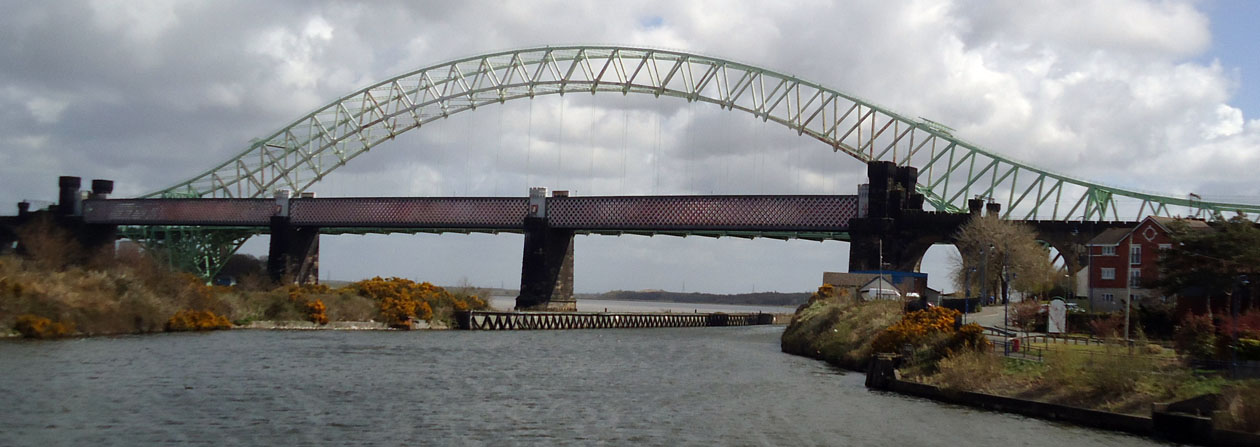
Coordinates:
x,y
68,198
101,189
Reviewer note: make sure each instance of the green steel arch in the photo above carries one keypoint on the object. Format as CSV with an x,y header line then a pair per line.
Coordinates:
x,y
952,170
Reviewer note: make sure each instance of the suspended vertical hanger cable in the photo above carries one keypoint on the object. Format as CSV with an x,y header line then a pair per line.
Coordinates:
x,y
529,147
467,157
560,147
590,141
656,157
498,151
625,134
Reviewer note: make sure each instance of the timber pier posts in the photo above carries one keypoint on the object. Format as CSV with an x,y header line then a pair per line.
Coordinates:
x,y
507,321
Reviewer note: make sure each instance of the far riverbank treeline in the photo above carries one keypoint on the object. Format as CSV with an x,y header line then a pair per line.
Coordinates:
x,y
748,299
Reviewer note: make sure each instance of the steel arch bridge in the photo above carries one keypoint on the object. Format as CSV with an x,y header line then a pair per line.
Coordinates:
x,y
952,170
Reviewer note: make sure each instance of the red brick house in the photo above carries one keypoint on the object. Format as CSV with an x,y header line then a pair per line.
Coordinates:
x,y
1125,262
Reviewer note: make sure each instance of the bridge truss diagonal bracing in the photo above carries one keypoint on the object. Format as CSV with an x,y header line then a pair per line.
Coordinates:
x,y
951,169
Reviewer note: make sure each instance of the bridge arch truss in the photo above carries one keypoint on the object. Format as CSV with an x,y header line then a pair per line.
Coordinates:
x,y
952,170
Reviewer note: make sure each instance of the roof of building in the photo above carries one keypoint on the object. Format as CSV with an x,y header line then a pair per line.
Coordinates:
x,y
843,279
1110,236
1113,236
1194,224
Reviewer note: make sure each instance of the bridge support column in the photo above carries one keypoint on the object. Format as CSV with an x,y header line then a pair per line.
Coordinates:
x,y
546,268
66,215
293,257
892,231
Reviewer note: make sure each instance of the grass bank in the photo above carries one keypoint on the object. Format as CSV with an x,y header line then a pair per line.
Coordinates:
x,y
846,332
838,329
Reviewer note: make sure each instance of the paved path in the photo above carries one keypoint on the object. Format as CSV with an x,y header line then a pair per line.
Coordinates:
x,y
989,316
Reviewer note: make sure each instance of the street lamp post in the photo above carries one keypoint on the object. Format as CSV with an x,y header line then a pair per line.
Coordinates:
x,y
1128,297
984,277
1006,287
967,284
1240,285
1089,276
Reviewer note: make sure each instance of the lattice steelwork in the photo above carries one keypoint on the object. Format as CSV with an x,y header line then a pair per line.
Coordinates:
x,y
748,213
202,212
446,212
952,170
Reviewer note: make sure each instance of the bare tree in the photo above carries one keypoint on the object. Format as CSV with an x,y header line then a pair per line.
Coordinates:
x,y
993,250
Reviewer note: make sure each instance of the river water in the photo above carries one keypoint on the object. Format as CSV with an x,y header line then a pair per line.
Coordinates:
x,y
683,386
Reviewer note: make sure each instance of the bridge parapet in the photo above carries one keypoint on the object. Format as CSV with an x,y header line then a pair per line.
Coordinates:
x,y
444,212
747,213
204,212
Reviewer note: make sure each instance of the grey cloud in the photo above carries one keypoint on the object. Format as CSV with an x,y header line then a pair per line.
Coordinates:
x,y
149,107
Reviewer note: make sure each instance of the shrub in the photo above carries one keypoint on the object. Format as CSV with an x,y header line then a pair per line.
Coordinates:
x,y
1109,327
1195,337
1157,319
1248,349
1080,321
196,320
1027,315
969,337
31,326
401,300
316,312
49,245
301,292
915,328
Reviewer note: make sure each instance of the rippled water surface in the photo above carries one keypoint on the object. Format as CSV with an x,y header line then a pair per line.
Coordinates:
x,y
686,386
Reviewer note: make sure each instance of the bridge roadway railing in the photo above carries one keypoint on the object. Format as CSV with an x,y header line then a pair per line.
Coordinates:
x,y
507,321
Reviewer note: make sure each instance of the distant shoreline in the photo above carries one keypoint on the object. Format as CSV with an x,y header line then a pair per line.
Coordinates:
x,y
739,299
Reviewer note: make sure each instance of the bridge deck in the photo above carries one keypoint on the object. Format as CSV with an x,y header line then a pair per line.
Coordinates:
x,y
820,216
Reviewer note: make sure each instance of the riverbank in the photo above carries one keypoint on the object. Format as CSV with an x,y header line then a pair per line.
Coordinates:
x,y
1183,422
845,333
130,293
309,326
741,299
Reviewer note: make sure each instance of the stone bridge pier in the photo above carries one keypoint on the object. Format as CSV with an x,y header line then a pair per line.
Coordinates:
x,y
892,232
67,214
547,265
293,255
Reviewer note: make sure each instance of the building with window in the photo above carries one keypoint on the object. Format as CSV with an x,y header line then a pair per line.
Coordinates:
x,y
1124,262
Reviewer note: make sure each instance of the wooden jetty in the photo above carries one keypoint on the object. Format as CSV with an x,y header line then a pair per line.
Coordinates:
x,y
516,321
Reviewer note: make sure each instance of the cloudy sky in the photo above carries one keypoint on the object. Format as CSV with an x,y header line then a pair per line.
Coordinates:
x,y
1159,96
